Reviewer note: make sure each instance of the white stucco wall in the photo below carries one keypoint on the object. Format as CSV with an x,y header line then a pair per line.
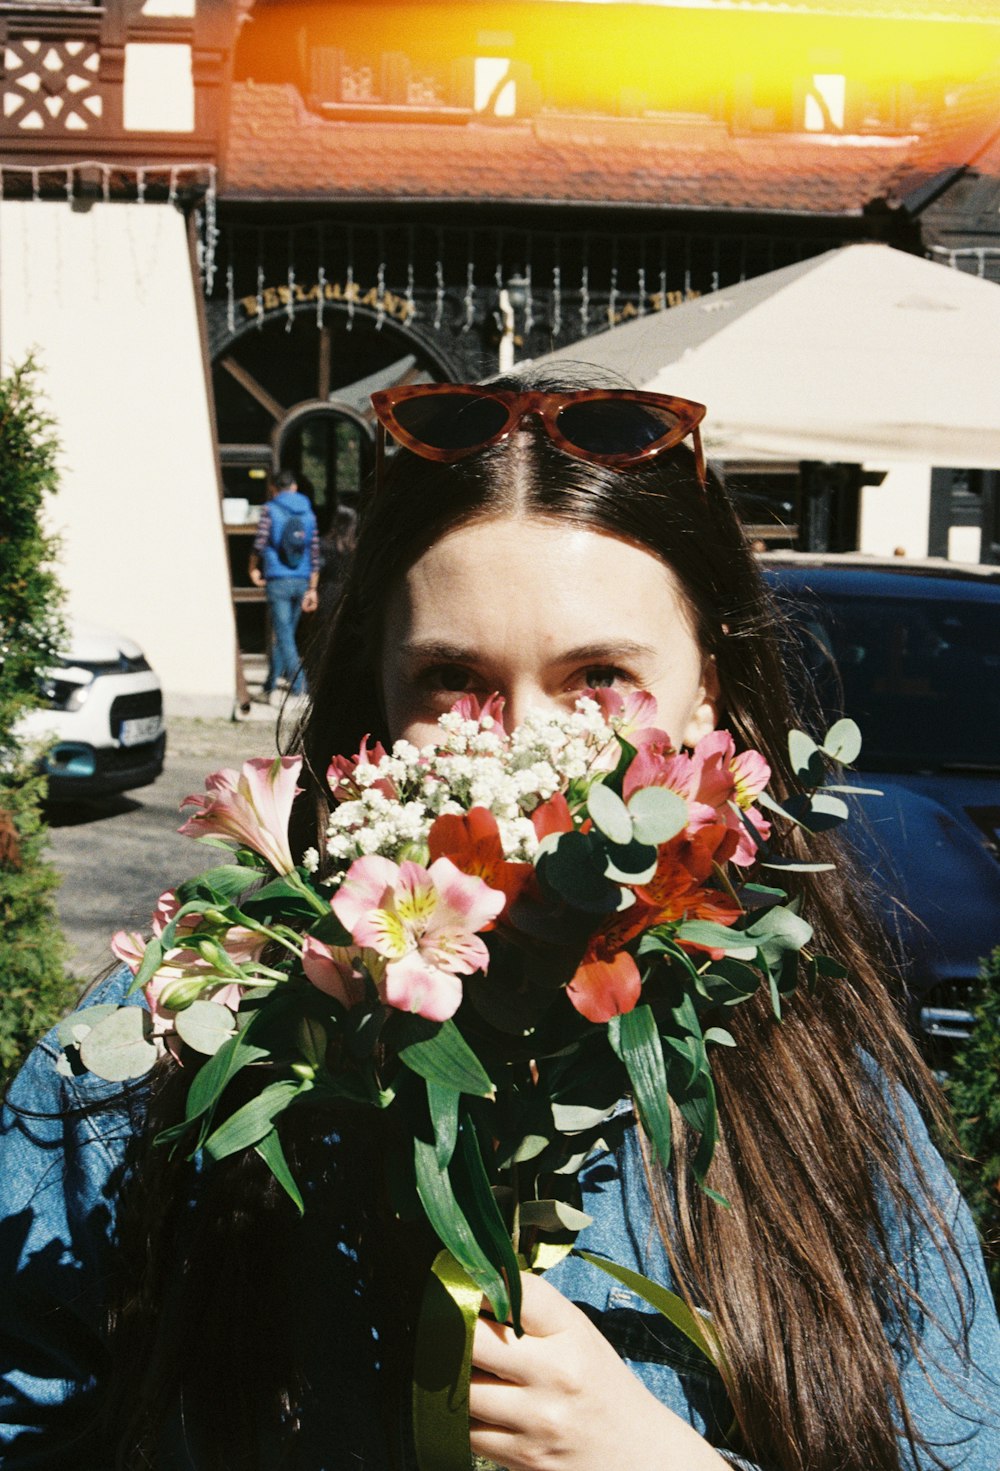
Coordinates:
x,y
897,512
106,300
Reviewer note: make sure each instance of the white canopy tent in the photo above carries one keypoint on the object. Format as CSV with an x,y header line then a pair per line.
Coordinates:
x,y
863,354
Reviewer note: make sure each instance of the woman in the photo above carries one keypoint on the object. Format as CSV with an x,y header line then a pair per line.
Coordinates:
x,y
537,547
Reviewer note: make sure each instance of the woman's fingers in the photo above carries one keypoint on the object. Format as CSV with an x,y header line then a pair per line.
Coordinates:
x,y
495,1351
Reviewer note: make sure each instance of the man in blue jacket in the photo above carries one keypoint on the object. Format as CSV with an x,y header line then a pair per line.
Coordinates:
x,y
285,561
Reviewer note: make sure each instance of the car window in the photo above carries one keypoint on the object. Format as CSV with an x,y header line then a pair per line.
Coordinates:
x,y
921,677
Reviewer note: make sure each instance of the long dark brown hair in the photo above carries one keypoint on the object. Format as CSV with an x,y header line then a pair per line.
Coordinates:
x,y
798,1274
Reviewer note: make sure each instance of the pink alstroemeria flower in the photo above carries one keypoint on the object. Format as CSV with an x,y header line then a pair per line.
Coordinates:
x,y
491,710
422,922
331,969
633,717
341,773
251,806
184,964
726,782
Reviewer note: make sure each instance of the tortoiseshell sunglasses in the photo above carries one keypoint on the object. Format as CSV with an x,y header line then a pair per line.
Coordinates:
x,y
615,427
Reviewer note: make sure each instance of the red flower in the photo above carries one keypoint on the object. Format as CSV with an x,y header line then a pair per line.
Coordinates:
x,y
472,841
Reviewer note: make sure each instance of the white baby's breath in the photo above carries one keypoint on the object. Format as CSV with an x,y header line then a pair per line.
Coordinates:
x,y
476,764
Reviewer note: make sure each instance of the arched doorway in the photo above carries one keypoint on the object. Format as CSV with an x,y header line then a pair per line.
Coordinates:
x,y
293,392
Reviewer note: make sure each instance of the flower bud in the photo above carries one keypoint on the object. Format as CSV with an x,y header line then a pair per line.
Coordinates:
x,y
180,994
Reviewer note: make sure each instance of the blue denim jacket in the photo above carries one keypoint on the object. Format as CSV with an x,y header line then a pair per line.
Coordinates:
x,y
57,1182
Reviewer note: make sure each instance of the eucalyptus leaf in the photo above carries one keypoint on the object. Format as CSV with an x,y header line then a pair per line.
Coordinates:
x,y
609,813
854,791
573,870
553,1215
720,1037
119,1046
657,814
715,936
842,742
205,1025
73,1028
778,930
632,863
806,758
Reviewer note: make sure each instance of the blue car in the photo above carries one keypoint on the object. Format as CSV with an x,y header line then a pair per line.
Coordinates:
x,y
912,653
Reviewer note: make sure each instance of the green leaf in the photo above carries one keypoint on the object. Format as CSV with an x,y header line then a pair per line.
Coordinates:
x,y
806,758
473,1189
72,1029
205,1025
720,1037
633,863
118,1047
842,742
817,812
151,961
718,937
779,929
789,865
573,869
443,1105
448,1060
657,814
211,1080
228,881
437,1196
249,1124
854,791
270,1150
695,1329
635,1039
552,1215
730,981
609,814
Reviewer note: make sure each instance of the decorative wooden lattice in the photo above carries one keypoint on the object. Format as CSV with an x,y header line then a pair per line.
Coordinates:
x,y
51,86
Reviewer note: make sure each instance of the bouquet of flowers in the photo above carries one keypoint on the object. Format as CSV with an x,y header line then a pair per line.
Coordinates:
x,y
506,934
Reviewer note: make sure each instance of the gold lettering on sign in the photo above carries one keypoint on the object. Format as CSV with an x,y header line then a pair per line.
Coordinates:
x,y
277,298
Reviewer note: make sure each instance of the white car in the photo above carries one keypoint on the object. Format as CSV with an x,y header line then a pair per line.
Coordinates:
x,y
104,716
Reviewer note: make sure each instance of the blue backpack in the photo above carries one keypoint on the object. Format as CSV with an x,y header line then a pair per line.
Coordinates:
x,y
291,533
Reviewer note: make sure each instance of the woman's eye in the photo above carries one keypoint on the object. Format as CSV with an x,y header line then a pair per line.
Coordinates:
x,y
603,676
449,677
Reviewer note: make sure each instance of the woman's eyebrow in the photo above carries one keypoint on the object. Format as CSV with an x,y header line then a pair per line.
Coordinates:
x,y
438,651
612,649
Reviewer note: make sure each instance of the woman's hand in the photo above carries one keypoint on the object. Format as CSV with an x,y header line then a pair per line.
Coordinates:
x,y
560,1398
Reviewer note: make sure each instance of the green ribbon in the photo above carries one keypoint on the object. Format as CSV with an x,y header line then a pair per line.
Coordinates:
x,y
442,1366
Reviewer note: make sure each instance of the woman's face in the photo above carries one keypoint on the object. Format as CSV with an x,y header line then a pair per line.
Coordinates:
x,y
538,612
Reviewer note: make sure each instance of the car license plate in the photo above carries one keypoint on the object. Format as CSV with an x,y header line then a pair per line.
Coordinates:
x,y
134,732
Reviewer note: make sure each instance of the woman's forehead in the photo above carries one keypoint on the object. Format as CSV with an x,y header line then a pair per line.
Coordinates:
x,y
568,586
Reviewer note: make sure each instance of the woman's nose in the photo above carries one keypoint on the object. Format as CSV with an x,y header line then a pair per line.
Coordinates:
x,y
524,696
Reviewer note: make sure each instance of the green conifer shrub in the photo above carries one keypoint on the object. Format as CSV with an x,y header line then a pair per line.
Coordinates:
x,y
34,987
974,1092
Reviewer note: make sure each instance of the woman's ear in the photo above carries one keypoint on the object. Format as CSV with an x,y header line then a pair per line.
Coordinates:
x,y
705,712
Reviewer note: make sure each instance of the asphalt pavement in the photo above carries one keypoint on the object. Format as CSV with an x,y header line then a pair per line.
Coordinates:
x,y
117,856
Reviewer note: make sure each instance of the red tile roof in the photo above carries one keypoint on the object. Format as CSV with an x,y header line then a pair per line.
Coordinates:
x,y
278,149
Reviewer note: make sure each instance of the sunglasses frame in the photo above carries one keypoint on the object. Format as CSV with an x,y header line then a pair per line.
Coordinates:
x,y
545,408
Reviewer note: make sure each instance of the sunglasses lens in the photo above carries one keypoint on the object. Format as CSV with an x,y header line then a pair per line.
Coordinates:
x,y
613,426
451,420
